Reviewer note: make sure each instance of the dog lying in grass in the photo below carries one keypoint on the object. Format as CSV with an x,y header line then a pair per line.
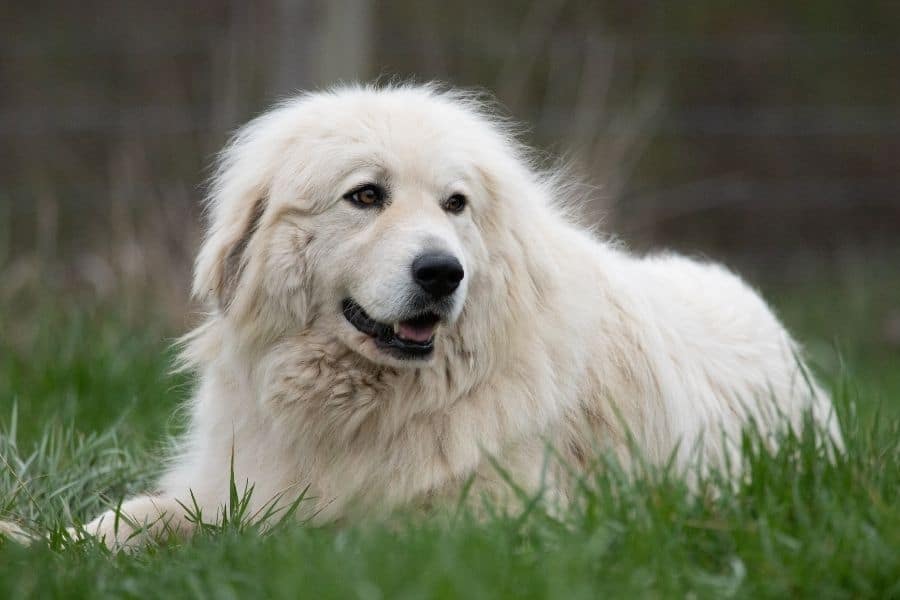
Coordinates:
x,y
401,307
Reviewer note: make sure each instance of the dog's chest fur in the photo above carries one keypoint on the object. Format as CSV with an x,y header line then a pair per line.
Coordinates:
x,y
359,429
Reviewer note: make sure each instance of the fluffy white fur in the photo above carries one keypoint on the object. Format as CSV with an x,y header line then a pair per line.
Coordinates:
x,y
555,337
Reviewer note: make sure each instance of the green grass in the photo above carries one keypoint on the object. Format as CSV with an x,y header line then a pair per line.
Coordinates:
x,y
86,401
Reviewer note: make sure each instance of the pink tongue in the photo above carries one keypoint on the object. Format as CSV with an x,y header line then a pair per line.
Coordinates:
x,y
415,333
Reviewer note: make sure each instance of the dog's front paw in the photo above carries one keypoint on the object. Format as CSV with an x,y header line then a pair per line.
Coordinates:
x,y
136,523
15,533
114,529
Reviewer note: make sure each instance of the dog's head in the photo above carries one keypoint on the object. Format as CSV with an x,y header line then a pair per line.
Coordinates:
x,y
367,213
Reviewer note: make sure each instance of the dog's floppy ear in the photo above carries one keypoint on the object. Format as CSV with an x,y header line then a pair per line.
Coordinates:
x,y
236,205
223,256
233,264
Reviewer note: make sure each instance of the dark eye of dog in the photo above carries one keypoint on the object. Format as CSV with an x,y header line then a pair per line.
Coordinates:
x,y
455,203
367,196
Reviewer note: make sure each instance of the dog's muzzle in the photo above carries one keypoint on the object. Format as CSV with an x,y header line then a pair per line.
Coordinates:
x,y
411,338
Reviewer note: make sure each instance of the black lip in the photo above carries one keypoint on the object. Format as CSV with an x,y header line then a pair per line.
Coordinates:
x,y
383,333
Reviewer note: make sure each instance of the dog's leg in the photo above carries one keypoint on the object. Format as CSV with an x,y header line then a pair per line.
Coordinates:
x,y
137,521
15,533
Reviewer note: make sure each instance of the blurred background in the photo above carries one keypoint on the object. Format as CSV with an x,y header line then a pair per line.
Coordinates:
x,y
763,134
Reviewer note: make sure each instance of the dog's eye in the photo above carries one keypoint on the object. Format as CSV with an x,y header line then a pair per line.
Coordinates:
x,y
367,196
455,203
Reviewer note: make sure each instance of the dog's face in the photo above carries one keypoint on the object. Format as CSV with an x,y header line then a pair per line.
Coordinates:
x,y
393,249
399,272
362,214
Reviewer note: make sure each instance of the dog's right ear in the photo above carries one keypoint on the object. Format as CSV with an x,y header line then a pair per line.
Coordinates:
x,y
223,257
236,207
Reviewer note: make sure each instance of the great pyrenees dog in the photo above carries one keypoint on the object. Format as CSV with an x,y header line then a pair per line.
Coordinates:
x,y
401,307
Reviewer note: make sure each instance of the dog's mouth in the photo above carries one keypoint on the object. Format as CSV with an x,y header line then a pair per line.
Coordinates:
x,y
407,339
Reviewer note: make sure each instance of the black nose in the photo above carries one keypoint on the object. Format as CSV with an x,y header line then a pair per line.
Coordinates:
x,y
437,273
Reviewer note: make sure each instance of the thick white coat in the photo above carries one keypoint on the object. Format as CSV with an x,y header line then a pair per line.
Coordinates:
x,y
559,338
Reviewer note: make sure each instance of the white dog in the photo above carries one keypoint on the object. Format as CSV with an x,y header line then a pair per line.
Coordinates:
x,y
400,305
